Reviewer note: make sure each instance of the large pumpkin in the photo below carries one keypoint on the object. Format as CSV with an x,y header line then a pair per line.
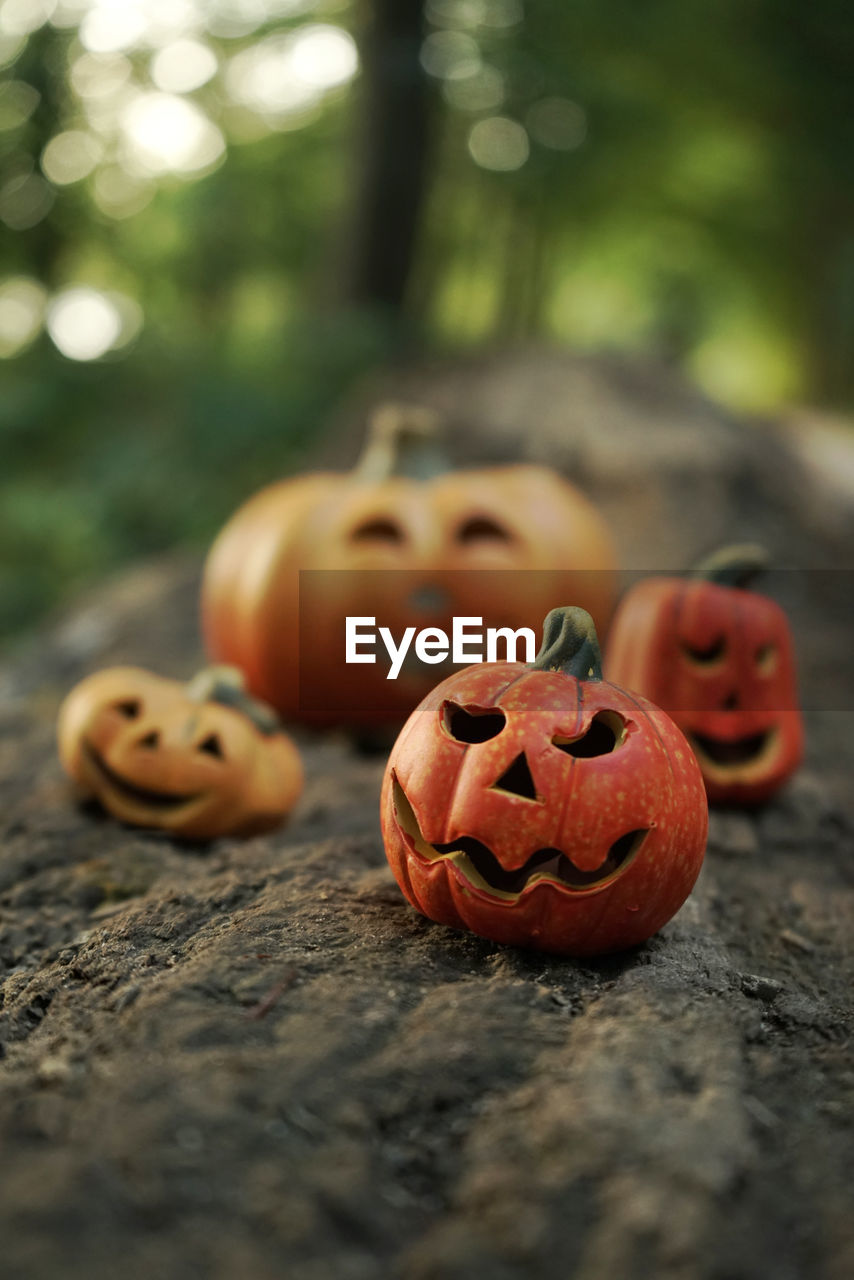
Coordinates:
x,y
197,760
402,539
720,658
543,806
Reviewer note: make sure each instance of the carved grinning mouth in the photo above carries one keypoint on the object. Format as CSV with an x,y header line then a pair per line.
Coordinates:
x,y
739,751
479,865
129,790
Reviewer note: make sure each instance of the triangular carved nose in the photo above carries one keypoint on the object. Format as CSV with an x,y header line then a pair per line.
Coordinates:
x,y
518,780
730,702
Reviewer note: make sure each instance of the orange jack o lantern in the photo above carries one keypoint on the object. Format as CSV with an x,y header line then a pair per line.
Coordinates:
x,y
543,806
445,533
198,760
719,658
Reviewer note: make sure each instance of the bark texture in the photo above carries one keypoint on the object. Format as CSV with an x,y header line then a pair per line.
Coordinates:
x,y
393,155
255,1060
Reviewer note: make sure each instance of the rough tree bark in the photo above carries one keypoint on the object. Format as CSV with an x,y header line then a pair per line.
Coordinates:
x,y
256,1060
393,155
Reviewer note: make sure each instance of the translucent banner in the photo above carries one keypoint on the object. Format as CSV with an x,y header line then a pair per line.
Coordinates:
x,y
366,645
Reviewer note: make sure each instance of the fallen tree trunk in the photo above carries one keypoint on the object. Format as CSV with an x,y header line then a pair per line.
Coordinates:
x,y
255,1059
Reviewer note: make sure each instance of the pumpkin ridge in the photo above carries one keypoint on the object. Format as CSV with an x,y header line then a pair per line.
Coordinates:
x,y
655,730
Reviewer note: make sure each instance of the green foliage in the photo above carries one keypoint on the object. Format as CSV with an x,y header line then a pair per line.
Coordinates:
x,y
703,210
113,461
674,176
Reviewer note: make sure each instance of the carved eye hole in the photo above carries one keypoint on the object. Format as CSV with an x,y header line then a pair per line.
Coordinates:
x,y
482,529
471,724
607,730
704,657
381,531
766,659
212,746
128,707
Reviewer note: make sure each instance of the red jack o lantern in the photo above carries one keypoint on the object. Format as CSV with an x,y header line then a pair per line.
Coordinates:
x,y
446,534
542,806
720,659
200,760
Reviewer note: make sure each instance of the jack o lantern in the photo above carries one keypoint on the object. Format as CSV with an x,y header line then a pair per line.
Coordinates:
x,y
719,658
542,806
198,760
404,540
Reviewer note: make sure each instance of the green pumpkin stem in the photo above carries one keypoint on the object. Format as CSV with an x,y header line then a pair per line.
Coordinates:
x,y
403,440
227,686
570,645
734,566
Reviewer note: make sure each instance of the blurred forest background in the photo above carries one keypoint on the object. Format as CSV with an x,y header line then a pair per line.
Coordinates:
x,y
217,214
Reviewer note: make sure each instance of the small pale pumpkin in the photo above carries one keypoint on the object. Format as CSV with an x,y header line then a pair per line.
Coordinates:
x,y
198,760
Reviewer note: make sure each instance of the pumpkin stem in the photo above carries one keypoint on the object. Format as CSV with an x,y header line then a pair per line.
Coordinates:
x,y
227,686
570,644
734,566
402,441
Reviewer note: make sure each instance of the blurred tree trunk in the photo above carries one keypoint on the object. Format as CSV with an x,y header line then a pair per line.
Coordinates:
x,y
391,157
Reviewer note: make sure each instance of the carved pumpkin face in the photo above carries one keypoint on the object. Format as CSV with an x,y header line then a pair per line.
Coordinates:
x,y
543,808
157,753
720,659
400,510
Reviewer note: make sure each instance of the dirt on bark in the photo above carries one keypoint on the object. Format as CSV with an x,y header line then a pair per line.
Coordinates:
x,y
254,1059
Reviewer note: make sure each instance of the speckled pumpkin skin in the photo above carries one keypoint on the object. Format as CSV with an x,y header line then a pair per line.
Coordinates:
x,y
747,691
124,732
649,780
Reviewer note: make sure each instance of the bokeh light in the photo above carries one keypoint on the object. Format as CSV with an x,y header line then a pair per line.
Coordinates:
x,y
503,13
95,76
499,14
163,133
20,17
450,55
483,91
68,13
70,156
108,28
499,143
323,55
22,302
456,13
285,74
120,194
183,65
25,198
747,367
10,47
85,323
233,18
18,101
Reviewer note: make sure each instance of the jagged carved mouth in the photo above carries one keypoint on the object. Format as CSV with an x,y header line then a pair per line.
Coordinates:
x,y
734,753
130,791
480,867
